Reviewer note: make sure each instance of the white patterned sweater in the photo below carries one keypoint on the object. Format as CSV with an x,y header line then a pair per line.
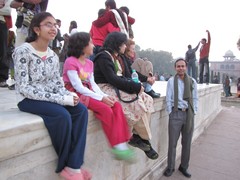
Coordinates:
x,y
39,79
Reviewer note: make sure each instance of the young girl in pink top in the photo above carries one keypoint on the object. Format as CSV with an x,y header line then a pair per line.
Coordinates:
x,y
78,77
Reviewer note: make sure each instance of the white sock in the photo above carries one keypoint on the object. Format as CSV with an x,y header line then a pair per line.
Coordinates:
x,y
121,146
73,170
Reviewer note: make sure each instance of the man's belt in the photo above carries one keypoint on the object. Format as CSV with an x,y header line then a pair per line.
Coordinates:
x,y
182,109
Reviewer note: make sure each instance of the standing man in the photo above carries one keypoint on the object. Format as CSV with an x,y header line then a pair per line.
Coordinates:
x,y
182,99
230,84
190,57
5,24
56,43
26,9
203,61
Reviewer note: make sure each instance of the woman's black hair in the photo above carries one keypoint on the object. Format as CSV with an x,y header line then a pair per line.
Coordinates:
x,y
73,24
77,42
113,41
37,19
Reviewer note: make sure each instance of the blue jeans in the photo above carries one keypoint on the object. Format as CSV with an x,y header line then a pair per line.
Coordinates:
x,y
191,67
147,87
67,127
226,90
95,51
204,64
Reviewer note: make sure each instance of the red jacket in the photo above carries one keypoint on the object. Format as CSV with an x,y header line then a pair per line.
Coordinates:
x,y
98,34
110,17
204,51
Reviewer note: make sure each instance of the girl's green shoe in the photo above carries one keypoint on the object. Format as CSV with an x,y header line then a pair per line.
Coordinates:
x,y
128,154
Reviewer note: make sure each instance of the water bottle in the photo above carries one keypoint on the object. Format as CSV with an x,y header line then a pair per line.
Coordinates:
x,y
135,76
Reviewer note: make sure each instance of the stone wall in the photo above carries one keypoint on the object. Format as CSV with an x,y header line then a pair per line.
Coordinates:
x,y
26,151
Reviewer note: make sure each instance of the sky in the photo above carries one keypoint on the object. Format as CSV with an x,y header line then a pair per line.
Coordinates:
x,y
165,25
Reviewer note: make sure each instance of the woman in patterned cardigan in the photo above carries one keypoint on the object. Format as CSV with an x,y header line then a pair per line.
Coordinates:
x,y
41,91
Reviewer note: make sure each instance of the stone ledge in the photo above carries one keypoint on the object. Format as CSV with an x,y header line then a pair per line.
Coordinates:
x,y
26,150
27,131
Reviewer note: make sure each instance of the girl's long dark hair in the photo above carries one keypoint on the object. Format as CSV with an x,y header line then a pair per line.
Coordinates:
x,y
37,19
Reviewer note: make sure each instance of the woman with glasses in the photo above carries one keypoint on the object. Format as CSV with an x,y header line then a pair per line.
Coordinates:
x,y
41,91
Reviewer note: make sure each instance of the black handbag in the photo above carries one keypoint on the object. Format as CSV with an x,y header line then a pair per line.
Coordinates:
x,y
118,94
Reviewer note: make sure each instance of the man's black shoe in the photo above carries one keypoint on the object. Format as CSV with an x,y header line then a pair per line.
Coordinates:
x,y
136,141
168,172
184,172
153,94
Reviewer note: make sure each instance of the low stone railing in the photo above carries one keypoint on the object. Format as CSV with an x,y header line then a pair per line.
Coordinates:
x,y
26,151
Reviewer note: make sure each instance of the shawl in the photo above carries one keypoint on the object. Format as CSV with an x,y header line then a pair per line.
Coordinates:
x,y
187,96
120,22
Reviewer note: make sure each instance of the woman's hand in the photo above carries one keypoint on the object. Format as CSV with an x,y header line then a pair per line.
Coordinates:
x,y
108,100
75,100
151,80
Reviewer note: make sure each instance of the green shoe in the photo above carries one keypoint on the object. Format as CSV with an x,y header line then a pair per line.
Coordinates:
x,y
123,154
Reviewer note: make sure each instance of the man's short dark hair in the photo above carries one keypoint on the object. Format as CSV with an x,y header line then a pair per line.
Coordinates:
x,y
204,39
111,4
180,59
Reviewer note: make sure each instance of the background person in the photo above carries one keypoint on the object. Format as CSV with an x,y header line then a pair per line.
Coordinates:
x,y
98,34
190,57
26,9
230,84
143,67
204,59
10,49
226,86
116,16
126,10
238,87
5,25
56,45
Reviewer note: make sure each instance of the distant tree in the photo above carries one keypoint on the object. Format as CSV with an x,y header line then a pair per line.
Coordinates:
x,y
238,44
162,61
137,48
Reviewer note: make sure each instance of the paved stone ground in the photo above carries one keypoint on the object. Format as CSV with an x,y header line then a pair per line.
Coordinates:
x,y
215,154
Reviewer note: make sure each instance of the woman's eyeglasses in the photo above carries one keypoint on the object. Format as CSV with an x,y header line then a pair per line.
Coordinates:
x,y
50,25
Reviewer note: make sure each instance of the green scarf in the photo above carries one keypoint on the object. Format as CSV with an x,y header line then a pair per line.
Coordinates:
x,y
187,96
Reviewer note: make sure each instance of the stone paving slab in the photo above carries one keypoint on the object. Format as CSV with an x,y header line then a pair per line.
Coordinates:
x,y
215,154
